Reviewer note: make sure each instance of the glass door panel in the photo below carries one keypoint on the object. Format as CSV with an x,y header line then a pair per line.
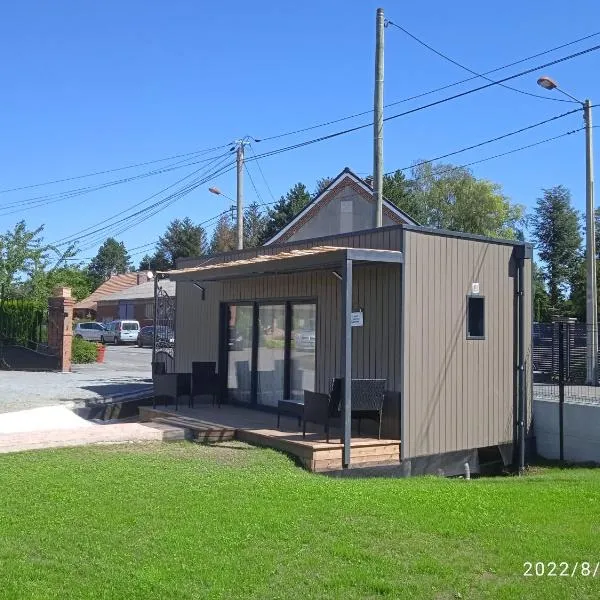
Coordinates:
x,y
239,352
271,354
302,351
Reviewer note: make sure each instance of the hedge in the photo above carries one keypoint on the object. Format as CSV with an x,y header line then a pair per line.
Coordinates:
x,y
83,351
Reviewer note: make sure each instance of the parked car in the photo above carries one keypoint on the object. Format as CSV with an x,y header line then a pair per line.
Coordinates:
x,y
305,339
92,332
165,337
121,332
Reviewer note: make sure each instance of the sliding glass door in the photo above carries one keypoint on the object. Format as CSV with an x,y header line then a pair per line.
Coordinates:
x,y
270,351
270,380
303,345
239,352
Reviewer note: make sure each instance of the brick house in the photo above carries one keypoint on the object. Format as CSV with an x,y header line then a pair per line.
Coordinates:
x,y
87,308
135,302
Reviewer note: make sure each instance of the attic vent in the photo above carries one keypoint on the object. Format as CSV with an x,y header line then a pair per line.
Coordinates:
x,y
346,214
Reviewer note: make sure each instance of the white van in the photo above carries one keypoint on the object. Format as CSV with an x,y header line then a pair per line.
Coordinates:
x,y
121,332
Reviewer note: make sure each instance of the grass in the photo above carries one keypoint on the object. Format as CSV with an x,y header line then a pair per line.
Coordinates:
x,y
187,521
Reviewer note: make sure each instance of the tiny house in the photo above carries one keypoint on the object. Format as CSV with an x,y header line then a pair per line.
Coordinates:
x,y
443,317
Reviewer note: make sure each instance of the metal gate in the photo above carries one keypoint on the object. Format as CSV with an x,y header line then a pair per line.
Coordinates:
x,y
164,327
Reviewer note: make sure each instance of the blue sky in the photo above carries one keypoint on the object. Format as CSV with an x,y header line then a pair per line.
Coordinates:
x,y
93,86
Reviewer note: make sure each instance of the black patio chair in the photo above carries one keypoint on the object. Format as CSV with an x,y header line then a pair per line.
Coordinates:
x,y
321,408
171,387
205,382
368,396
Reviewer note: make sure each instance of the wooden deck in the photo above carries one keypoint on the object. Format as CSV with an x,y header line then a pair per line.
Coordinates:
x,y
212,424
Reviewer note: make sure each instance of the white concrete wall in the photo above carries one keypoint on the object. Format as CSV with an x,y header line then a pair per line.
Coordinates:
x,y
581,430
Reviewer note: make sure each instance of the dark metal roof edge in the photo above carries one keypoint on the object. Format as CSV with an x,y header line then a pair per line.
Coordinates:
x,y
258,249
463,236
317,240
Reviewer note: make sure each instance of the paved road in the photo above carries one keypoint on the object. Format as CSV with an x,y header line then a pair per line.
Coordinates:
x,y
126,369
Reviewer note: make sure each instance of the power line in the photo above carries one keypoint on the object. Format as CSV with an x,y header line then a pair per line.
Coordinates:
x,y
262,174
40,201
461,66
425,106
89,231
159,206
254,185
489,141
150,162
433,91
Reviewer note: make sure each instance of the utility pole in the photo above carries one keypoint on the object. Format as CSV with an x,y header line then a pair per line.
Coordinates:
x,y
378,120
240,194
591,295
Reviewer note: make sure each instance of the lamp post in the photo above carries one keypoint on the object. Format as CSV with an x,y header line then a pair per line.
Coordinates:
x,y
591,305
239,233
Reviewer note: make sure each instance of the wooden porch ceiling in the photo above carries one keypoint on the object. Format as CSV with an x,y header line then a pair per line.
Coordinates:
x,y
319,257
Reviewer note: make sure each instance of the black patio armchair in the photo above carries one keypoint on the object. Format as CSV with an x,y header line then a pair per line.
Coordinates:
x,y
171,387
321,408
367,398
205,382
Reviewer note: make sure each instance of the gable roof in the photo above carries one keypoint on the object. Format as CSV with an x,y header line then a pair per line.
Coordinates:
x,y
143,291
114,284
346,177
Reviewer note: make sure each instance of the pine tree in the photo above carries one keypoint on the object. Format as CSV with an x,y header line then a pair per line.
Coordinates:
x,y
285,210
224,236
182,239
556,231
112,259
254,226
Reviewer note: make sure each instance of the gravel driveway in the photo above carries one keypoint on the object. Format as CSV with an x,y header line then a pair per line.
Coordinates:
x,y
126,369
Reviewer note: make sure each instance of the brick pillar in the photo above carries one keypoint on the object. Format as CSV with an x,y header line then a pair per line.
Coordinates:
x,y
60,325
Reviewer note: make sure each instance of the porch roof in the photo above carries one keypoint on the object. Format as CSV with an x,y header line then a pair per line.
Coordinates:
x,y
318,257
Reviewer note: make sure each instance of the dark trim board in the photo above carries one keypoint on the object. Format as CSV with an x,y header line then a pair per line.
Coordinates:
x,y
318,242
450,464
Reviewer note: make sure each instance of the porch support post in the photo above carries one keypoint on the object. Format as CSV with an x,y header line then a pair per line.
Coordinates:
x,y
346,359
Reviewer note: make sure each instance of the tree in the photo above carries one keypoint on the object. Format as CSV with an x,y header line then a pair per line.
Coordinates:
x,y
254,226
556,232
450,197
398,190
322,183
112,259
181,239
41,283
541,301
285,210
224,236
24,258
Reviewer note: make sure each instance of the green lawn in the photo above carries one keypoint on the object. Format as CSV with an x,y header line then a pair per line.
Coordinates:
x,y
187,521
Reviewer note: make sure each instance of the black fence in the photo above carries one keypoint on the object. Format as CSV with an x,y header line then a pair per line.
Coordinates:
x,y
560,363
23,322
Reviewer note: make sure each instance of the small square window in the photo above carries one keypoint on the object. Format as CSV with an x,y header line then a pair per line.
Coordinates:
x,y
475,318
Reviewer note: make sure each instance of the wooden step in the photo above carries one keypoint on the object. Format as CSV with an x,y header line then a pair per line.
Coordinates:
x,y
197,430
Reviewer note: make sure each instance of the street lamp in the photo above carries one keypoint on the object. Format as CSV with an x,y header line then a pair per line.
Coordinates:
x,y
239,228
218,192
591,311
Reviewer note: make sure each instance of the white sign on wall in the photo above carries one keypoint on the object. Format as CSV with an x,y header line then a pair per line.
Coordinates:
x,y
474,288
356,319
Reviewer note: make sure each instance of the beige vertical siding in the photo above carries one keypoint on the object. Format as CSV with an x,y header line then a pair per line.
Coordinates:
x,y
457,393
196,325
375,346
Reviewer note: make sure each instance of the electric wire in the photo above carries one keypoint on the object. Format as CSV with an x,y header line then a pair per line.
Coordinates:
x,y
461,66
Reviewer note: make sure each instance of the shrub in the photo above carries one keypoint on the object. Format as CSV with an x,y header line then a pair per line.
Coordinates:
x,y
83,351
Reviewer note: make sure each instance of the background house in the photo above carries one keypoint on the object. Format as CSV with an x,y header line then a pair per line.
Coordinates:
x,y
135,302
87,308
345,205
